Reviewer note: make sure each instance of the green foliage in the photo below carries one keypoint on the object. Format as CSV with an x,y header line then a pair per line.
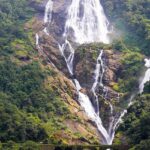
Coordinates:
x,y
132,63
119,45
147,87
27,107
144,145
137,121
29,145
13,14
133,19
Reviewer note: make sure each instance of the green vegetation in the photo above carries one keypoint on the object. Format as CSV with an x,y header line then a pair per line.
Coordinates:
x,y
31,113
133,19
147,88
136,123
132,65
28,110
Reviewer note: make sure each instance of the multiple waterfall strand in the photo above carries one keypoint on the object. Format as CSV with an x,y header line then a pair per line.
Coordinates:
x,y
146,76
47,19
87,21
89,109
83,98
99,72
91,26
97,75
69,59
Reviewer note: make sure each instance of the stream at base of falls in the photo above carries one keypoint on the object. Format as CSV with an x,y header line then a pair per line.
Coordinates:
x,y
87,23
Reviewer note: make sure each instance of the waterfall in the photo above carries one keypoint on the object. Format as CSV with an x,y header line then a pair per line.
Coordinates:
x,y
47,19
87,21
48,14
69,59
89,109
38,45
37,40
146,76
98,74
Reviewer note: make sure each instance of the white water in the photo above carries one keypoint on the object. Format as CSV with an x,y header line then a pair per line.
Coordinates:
x,y
47,19
69,59
48,14
111,108
88,22
98,74
90,26
90,111
84,99
37,40
146,76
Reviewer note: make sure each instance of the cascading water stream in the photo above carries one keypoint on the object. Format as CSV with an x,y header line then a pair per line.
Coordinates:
x,y
89,109
98,74
146,76
47,19
48,14
69,59
84,99
87,21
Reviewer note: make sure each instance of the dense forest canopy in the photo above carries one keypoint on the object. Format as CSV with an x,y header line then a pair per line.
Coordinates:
x,y
25,104
132,17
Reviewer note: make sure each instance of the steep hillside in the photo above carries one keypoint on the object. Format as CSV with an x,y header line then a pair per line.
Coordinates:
x,y
54,90
132,20
37,101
